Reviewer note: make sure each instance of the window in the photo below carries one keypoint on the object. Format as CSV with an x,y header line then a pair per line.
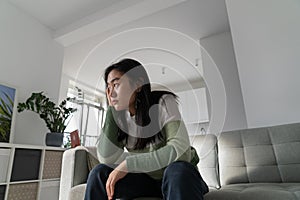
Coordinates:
x,y
89,116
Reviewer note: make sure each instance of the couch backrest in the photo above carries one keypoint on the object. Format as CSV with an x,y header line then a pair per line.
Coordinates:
x,y
206,147
92,150
270,154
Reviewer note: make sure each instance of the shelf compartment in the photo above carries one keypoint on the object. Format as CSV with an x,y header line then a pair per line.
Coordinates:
x,y
2,192
26,164
52,164
24,191
49,190
4,157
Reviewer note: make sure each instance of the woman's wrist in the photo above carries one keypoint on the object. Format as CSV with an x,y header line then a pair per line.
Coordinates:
x,y
122,166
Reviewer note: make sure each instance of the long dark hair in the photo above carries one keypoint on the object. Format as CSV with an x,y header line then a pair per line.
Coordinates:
x,y
135,70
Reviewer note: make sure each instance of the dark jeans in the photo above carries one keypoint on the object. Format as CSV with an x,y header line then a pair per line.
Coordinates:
x,y
181,181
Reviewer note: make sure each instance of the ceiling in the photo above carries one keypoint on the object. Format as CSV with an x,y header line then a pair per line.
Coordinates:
x,y
57,14
74,20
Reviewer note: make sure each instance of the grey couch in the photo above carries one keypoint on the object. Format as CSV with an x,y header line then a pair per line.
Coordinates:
x,y
251,164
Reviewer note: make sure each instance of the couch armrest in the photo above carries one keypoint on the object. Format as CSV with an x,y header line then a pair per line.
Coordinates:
x,y
74,170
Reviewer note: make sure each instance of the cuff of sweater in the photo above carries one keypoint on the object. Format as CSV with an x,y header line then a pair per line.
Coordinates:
x,y
131,164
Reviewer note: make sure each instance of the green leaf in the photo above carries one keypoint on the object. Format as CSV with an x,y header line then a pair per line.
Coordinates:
x,y
4,107
5,118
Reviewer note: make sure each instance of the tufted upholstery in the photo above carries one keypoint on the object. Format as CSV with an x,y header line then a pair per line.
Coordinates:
x,y
257,191
269,154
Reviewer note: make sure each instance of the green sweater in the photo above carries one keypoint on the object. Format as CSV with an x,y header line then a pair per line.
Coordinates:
x,y
153,159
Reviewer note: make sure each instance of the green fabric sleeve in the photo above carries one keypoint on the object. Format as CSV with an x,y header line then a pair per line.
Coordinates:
x,y
177,148
109,150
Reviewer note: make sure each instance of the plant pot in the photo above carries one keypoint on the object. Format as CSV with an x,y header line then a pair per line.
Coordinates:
x,y
54,139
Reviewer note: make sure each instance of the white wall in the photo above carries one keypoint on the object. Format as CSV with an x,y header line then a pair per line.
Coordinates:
x,y
31,61
220,48
266,38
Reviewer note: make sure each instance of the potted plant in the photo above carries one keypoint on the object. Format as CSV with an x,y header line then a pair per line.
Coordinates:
x,y
54,116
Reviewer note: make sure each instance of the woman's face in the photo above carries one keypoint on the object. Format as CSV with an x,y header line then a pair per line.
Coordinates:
x,y
120,92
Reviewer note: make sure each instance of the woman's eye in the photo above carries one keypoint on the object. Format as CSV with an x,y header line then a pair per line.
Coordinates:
x,y
116,85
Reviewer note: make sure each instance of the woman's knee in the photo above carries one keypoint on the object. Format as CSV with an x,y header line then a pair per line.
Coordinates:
x,y
181,174
179,169
101,171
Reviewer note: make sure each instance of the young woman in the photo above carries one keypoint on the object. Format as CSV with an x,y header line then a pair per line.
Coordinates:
x,y
144,149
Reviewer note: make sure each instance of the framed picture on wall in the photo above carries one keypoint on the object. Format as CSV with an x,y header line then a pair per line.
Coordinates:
x,y
7,112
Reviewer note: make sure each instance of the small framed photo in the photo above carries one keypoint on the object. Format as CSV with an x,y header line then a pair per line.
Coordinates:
x,y
7,112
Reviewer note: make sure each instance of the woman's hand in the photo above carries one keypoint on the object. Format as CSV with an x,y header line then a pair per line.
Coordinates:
x,y
117,174
108,96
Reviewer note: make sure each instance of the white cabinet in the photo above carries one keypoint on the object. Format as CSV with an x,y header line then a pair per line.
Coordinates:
x,y
29,172
193,105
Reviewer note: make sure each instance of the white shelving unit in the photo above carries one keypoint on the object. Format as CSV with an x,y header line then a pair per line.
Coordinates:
x,y
29,172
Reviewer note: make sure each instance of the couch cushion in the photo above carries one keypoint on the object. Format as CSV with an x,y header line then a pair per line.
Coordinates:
x,y
206,147
269,154
257,191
